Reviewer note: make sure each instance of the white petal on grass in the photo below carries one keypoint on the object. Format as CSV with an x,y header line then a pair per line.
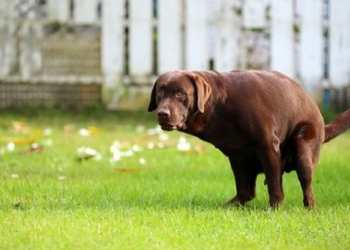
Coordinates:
x,y
136,148
115,158
84,152
155,131
150,145
98,157
47,142
142,161
62,178
151,132
115,147
183,144
34,146
159,129
10,146
47,132
127,153
14,176
90,151
140,128
84,132
163,136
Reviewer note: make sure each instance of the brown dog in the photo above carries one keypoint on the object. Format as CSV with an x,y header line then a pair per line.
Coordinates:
x,y
263,121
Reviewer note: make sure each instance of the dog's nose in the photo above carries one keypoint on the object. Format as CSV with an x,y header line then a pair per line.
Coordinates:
x,y
163,113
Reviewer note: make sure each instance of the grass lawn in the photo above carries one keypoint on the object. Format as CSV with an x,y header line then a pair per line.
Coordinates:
x,y
109,180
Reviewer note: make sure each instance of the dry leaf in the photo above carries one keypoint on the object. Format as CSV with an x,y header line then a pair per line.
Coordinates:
x,y
199,149
20,127
68,128
127,169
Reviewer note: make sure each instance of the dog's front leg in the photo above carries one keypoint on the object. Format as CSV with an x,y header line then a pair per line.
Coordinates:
x,y
245,175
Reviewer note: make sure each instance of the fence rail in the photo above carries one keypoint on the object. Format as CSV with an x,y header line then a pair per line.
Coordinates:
x,y
129,42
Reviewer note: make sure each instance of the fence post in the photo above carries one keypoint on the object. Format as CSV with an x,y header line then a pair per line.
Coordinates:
x,y
140,40
85,11
169,36
228,33
196,50
30,48
254,16
8,41
112,41
58,10
311,47
282,37
254,26
339,26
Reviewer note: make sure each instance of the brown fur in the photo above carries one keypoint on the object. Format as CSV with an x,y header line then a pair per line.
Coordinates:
x,y
263,121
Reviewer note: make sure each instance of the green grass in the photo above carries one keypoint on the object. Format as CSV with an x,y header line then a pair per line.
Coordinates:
x,y
50,200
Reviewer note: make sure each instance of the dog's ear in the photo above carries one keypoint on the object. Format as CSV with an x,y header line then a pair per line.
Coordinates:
x,y
152,103
203,91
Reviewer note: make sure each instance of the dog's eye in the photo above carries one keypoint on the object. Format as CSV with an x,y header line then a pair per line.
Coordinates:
x,y
160,92
180,94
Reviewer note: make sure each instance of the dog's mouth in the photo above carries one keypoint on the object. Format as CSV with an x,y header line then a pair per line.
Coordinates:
x,y
169,127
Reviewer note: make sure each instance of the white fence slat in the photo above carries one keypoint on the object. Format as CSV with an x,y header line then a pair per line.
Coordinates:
x,y
169,36
30,50
3,7
58,10
8,27
140,40
228,32
85,11
311,45
254,14
339,64
112,38
282,37
8,48
196,50
6,8
112,50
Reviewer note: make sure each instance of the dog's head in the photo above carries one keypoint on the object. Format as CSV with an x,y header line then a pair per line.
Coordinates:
x,y
176,96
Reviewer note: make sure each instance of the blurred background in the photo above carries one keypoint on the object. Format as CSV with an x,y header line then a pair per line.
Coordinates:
x,y
77,53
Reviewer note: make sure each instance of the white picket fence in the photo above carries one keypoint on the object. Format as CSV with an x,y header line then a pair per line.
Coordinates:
x,y
308,40
193,33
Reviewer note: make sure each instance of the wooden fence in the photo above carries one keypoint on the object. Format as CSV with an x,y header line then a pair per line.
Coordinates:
x,y
122,45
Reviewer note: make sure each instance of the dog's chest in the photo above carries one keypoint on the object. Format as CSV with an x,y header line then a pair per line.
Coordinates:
x,y
231,143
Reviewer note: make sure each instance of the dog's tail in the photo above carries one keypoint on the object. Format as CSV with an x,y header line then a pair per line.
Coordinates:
x,y
340,124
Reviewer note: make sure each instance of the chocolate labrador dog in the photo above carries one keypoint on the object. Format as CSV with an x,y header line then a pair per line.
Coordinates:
x,y
263,121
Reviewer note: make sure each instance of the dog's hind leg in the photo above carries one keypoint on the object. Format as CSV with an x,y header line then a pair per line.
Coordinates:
x,y
305,158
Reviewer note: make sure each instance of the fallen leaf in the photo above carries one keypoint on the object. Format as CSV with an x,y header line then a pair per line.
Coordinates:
x,y
34,148
68,128
94,130
127,169
199,149
20,127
